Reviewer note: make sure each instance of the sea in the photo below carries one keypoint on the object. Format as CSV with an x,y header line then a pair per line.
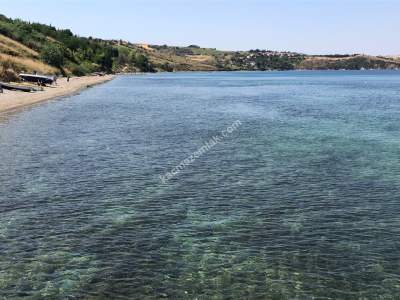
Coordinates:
x,y
225,185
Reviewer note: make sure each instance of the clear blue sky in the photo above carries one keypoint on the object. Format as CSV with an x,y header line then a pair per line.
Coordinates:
x,y
308,26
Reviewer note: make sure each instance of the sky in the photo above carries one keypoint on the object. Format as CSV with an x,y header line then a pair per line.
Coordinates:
x,y
305,26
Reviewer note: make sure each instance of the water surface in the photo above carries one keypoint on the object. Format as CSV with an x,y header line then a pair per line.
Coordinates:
x,y
301,201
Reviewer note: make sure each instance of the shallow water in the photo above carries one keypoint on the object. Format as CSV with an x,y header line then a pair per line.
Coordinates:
x,y
301,201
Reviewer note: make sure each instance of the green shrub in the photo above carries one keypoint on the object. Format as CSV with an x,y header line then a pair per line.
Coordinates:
x,y
53,54
142,62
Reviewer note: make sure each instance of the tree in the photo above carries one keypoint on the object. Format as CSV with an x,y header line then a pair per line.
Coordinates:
x,y
167,67
142,62
53,54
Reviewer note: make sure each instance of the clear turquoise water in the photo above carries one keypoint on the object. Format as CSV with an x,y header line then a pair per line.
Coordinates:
x,y
302,201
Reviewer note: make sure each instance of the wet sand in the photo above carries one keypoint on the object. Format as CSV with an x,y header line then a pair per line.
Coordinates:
x,y
10,100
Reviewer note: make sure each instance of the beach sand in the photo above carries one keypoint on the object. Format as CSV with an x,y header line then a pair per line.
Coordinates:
x,y
10,100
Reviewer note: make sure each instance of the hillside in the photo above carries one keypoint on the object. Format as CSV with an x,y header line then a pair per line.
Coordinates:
x,y
352,62
36,47
195,58
45,49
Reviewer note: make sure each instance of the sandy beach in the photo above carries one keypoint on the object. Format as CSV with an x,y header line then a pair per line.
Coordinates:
x,y
10,100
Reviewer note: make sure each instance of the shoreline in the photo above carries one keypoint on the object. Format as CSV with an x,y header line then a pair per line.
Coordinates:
x,y
12,100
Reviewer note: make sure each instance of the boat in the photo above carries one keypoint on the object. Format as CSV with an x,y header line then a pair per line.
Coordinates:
x,y
98,74
15,87
41,79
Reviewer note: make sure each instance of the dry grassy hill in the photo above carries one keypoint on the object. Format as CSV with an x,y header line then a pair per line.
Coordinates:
x,y
16,57
182,62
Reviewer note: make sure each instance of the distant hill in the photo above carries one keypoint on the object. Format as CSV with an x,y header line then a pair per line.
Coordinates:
x,y
33,47
351,62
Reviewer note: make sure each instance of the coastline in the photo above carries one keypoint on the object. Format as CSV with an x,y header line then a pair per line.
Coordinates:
x,y
11,100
